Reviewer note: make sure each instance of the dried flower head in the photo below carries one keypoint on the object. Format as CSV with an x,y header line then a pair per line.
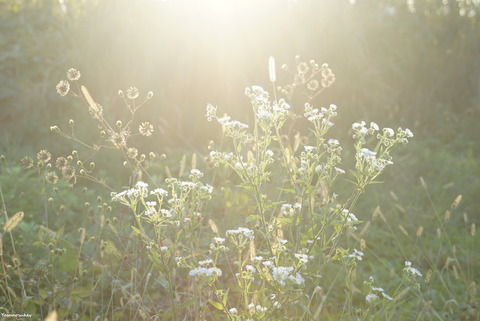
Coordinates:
x,y
313,85
119,139
61,162
68,172
132,152
132,92
51,177
146,129
328,78
73,74
63,87
26,162
44,156
302,68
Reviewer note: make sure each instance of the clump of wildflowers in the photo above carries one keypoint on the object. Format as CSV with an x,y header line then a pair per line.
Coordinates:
x,y
411,271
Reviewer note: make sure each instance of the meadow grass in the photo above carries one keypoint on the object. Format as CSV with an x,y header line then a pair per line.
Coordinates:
x,y
262,227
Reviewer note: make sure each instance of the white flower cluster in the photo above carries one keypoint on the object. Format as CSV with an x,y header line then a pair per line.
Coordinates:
x,y
285,274
411,271
205,272
290,209
356,255
375,292
377,164
205,269
131,196
241,231
268,113
179,196
252,308
349,219
303,258
320,117
218,244
232,124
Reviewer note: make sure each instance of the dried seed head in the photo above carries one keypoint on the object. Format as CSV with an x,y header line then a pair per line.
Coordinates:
x,y
394,196
419,231
52,316
132,152
428,276
167,172
73,74
253,249
213,226
26,162
193,164
456,201
13,221
44,156
446,218
61,162
132,93
363,244
51,177
422,181
63,87
271,69
145,129
404,231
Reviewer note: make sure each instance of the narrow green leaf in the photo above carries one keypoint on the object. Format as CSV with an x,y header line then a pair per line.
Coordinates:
x,y
217,305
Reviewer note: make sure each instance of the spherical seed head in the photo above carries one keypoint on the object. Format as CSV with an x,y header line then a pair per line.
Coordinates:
x,y
26,162
132,153
68,172
61,162
145,129
44,156
73,74
51,177
132,92
63,87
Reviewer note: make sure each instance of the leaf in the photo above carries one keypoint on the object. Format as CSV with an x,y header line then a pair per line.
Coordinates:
x,y
81,291
13,221
136,230
225,297
286,190
284,220
217,305
60,232
252,218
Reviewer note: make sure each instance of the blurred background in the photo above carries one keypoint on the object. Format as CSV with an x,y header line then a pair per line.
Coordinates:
x,y
409,63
